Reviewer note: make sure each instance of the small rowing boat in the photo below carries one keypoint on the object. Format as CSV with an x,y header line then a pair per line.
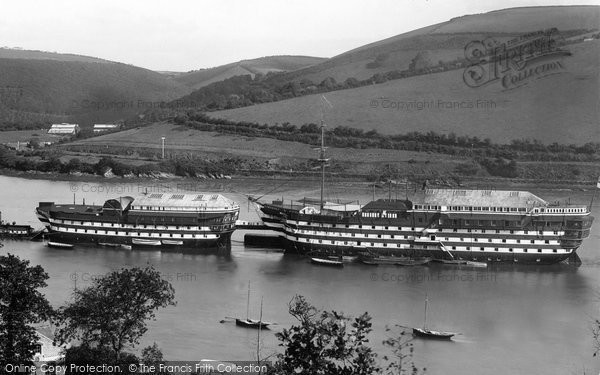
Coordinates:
x,y
172,242
60,245
108,244
144,242
327,262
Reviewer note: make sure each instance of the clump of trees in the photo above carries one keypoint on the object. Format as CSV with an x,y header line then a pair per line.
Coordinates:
x,y
104,319
500,167
421,62
21,305
467,169
328,342
325,342
111,314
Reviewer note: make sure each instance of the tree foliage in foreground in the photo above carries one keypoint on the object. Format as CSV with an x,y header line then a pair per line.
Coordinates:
x,y
111,314
325,343
401,345
21,304
596,334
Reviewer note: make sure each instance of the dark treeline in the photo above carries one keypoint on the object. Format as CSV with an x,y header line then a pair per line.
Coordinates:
x,y
50,162
243,91
451,144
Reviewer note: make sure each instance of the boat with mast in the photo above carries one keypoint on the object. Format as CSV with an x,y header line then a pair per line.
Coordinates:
x,y
428,333
252,323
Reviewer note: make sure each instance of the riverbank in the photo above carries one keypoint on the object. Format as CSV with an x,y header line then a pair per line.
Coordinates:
x,y
298,185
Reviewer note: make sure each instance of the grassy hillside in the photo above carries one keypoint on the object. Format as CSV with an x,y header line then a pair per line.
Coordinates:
x,y
446,40
561,108
16,53
200,78
526,19
37,86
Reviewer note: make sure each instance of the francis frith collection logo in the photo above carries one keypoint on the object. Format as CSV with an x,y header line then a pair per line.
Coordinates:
x,y
515,62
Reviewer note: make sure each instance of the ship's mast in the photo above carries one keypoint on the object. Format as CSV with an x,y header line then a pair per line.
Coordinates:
x,y
322,161
425,319
248,302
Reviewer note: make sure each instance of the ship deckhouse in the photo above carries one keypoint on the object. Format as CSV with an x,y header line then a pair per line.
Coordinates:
x,y
497,201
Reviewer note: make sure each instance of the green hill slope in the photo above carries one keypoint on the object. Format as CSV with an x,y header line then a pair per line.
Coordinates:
x,y
446,41
200,78
35,85
559,108
17,53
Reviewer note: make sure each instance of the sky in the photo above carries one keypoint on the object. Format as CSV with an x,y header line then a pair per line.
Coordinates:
x,y
184,35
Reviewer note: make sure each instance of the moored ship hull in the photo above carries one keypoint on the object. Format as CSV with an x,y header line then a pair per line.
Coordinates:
x,y
483,226
83,239
294,247
162,221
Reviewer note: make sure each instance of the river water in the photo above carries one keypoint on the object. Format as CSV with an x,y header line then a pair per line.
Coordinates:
x,y
514,319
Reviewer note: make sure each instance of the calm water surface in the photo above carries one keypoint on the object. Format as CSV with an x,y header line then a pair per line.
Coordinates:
x,y
513,319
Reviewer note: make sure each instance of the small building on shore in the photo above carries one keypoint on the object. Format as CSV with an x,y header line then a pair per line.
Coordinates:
x,y
99,128
45,349
64,129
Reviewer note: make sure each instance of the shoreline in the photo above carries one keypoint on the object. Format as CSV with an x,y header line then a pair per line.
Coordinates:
x,y
356,180
300,186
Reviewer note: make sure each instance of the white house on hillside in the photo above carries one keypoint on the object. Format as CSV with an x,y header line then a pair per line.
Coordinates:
x,y
98,128
64,129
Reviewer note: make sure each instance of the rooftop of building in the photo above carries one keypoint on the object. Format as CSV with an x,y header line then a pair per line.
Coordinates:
x,y
64,125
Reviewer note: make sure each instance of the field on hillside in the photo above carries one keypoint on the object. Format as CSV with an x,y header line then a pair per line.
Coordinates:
x,y
26,135
560,108
183,140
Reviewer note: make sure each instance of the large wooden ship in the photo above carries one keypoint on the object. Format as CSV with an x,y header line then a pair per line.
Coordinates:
x,y
452,224
157,220
478,225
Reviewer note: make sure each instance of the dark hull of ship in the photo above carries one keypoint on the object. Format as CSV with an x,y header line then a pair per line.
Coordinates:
x,y
511,239
223,241
295,247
